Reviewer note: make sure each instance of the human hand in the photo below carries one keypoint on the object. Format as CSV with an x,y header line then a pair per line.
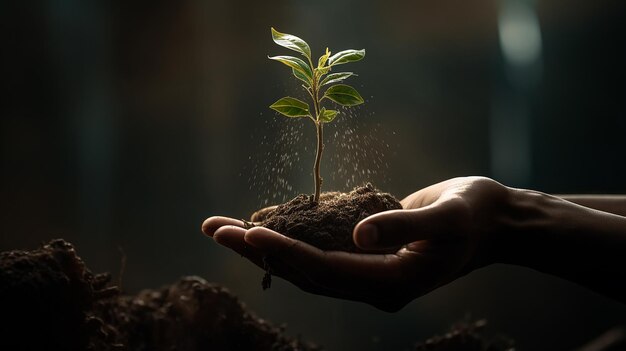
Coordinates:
x,y
443,232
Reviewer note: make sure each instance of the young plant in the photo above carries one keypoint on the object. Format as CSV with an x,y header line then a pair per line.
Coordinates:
x,y
314,79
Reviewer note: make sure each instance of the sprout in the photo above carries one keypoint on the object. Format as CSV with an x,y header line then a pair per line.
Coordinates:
x,y
314,78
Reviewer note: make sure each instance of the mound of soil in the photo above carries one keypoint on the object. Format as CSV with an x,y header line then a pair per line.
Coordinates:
x,y
51,301
328,224
191,314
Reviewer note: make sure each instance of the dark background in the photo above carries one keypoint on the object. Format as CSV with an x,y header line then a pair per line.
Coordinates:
x,y
126,124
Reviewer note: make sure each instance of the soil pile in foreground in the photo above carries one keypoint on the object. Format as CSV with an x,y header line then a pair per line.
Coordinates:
x,y
328,224
51,301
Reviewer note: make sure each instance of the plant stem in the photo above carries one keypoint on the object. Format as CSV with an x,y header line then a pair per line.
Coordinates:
x,y
318,158
320,137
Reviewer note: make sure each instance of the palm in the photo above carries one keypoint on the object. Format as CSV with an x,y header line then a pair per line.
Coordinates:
x,y
433,233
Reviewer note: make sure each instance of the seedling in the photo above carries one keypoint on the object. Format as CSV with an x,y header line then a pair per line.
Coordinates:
x,y
315,78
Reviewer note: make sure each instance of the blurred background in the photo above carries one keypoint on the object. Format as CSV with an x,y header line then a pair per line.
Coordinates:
x,y
126,124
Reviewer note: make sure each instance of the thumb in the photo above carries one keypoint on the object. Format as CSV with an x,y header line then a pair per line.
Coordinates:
x,y
399,227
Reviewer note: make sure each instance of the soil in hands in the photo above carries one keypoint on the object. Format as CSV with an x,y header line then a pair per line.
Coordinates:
x,y
328,224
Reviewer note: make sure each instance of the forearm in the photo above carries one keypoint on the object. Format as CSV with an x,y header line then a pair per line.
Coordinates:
x,y
615,204
559,237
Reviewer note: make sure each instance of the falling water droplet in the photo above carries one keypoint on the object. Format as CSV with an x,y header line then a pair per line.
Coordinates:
x,y
355,153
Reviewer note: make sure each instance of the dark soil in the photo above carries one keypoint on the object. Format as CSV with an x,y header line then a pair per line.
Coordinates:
x,y
328,224
49,300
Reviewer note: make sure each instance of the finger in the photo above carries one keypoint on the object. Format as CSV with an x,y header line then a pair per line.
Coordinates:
x,y
284,248
337,270
284,270
212,224
399,227
233,238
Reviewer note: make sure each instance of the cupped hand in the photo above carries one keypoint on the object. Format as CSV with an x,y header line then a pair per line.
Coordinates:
x,y
444,231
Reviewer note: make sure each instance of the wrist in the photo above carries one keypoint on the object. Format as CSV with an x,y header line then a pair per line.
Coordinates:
x,y
530,225
558,237
615,204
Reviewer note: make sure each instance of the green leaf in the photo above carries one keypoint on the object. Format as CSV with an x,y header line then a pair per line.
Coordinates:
x,y
336,77
296,64
327,116
322,60
346,56
321,71
291,42
291,107
344,95
302,77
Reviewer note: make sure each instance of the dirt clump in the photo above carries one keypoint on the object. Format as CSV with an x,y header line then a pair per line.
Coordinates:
x,y
51,301
328,224
45,299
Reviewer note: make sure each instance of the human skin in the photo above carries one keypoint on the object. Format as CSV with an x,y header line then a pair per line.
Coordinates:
x,y
445,231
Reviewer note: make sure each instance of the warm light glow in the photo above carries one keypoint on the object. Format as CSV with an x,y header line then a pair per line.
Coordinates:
x,y
520,35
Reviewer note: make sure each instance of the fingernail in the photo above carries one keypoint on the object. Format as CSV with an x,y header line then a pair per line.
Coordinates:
x,y
368,235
